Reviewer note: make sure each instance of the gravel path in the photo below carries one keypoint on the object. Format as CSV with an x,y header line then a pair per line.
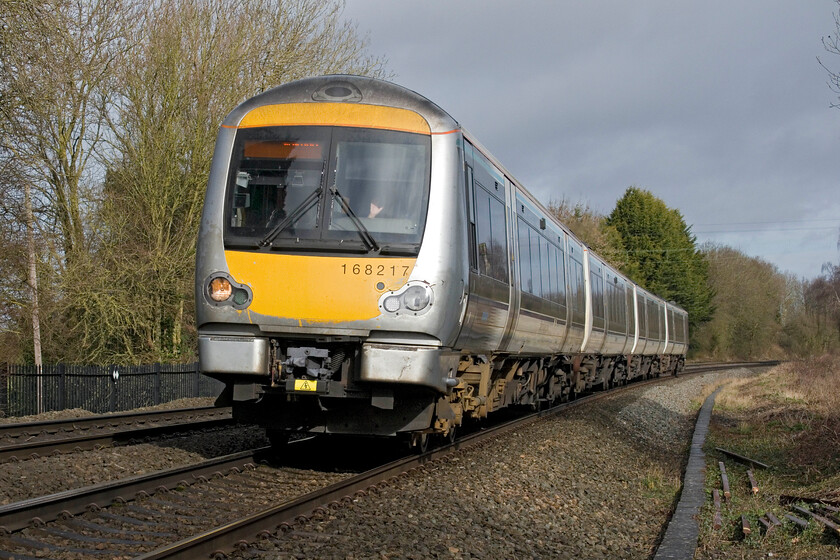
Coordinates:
x,y
596,483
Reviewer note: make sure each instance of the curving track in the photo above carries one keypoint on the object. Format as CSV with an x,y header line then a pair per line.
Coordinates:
x,y
204,515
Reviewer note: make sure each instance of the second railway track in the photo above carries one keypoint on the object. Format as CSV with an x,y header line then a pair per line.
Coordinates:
x,y
37,439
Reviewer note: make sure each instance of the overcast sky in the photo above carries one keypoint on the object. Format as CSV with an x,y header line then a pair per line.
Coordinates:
x,y
719,108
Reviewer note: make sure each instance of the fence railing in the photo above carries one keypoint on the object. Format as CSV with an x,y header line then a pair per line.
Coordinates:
x,y
98,389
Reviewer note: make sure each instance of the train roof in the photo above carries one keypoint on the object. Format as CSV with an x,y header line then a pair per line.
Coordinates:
x,y
343,88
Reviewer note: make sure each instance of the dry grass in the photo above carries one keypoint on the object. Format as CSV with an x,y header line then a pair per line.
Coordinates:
x,y
789,418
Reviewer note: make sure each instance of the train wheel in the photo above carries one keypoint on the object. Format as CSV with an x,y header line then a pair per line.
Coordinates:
x,y
452,435
420,442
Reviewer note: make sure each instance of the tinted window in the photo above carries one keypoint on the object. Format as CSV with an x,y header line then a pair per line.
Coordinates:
x,y
597,294
491,234
617,308
561,276
536,276
578,295
275,171
326,184
553,294
641,310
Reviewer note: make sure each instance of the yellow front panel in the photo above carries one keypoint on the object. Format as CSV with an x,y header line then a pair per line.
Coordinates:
x,y
336,114
317,289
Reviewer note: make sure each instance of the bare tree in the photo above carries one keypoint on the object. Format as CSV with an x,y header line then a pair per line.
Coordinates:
x,y
751,300
192,62
55,56
56,60
832,45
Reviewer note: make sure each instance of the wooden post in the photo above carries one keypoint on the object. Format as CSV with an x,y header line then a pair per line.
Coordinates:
x,y
773,519
724,480
753,483
745,524
717,521
768,525
801,523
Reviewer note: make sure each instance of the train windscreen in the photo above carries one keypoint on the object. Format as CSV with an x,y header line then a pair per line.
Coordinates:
x,y
328,189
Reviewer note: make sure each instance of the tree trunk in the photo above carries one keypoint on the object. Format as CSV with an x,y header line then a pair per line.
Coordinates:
x,y
33,287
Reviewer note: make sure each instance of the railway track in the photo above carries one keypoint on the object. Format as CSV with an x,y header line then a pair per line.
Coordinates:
x,y
700,367
37,439
186,512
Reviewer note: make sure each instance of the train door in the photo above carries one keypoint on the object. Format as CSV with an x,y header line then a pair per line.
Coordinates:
x,y
488,308
576,298
644,332
634,302
513,258
596,319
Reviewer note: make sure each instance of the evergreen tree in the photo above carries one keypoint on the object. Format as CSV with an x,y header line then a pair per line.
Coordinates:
x,y
662,253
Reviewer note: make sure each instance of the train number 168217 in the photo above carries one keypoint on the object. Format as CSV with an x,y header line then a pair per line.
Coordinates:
x,y
375,269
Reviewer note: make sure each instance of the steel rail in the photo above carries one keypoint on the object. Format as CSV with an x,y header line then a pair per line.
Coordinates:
x,y
31,429
699,367
40,448
19,515
215,541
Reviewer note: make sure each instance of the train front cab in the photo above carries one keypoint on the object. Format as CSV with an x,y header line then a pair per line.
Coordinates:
x,y
339,321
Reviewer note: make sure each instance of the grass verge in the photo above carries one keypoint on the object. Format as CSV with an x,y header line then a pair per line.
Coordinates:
x,y
788,418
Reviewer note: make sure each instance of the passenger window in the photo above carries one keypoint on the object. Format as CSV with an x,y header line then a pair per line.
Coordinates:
x,y
470,194
536,277
578,295
561,277
544,268
653,319
491,236
525,279
618,313
641,310
498,234
552,274
597,295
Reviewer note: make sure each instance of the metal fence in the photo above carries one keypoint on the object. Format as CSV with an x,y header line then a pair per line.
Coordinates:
x,y
99,389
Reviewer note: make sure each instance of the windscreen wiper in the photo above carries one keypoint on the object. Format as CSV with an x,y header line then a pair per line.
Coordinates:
x,y
367,238
301,209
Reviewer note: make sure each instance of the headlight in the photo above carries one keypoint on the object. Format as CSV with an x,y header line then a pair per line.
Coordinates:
x,y
223,290
220,289
416,298
391,304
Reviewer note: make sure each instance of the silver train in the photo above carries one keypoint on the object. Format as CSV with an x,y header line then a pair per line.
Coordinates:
x,y
365,266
